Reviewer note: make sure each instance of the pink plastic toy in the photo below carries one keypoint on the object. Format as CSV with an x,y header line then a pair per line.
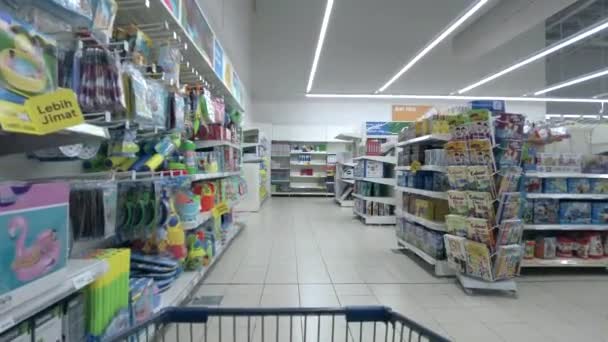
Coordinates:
x,y
38,259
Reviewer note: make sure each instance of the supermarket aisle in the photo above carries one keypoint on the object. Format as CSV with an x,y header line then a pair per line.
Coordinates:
x,y
309,252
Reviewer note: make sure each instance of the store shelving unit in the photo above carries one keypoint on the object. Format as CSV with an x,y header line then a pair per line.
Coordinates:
x,y
573,262
344,183
385,183
256,170
34,297
184,286
440,267
421,192
288,161
19,143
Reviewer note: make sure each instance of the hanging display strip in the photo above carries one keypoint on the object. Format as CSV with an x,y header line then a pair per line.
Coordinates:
x,y
186,26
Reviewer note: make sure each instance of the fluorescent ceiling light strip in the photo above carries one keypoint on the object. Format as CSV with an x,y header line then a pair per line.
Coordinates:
x,y
315,61
457,98
543,53
435,42
574,81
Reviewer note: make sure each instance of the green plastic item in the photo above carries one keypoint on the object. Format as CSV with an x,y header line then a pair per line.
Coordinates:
x,y
236,117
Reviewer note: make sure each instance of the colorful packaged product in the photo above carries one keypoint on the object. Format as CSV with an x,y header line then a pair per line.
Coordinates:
x,y
599,213
556,185
546,248
575,212
507,262
581,247
29,63
529,248
456,225
599,186
596,249
579,186
527,211
533,184
565,246
441,209
546,211
478,260
455,252
34,238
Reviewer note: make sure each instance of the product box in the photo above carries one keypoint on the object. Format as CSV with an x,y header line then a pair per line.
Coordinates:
x,y
33,234
424,209
374,169
575,212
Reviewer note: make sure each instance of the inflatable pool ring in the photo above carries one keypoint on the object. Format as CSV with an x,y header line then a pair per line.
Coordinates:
x,y
22,71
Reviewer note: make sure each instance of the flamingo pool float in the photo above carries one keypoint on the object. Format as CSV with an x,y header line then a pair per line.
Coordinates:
x,y
36,260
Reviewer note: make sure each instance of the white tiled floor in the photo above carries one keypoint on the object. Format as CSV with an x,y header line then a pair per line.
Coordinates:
x,y
310,252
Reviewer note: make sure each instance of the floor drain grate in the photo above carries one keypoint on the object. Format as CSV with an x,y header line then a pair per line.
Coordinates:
x,y
206,301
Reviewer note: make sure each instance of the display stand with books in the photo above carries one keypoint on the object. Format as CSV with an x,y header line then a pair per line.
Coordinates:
x,y
374,178
484,227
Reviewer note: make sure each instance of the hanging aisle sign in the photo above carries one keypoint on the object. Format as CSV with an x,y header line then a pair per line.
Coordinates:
x,y
43,114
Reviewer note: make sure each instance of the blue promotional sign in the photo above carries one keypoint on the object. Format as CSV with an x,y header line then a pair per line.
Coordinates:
x,y
218,59
377,128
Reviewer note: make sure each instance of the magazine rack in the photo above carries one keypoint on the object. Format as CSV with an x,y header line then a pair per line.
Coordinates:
x,y
484,227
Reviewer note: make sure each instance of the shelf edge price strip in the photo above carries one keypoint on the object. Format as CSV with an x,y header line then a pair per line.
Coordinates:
x,y
83,280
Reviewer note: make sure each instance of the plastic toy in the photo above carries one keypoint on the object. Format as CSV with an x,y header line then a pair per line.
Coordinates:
x,y
33,261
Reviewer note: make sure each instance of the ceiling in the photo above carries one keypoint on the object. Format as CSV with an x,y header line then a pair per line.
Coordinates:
x,y
367,42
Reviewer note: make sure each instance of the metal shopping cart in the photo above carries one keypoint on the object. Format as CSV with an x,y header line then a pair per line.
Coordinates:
x,y
357,323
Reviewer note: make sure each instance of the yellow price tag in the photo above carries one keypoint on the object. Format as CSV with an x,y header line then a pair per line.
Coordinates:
x,y
42,114
54,111
415,166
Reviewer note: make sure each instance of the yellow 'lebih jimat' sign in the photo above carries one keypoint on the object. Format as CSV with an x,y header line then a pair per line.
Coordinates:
x,y
42,114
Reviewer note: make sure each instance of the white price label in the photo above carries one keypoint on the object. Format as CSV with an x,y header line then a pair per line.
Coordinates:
x,y
6,324
83,280
6,302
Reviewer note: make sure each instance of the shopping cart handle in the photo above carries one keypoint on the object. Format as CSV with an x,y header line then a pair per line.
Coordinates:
x,y
367,313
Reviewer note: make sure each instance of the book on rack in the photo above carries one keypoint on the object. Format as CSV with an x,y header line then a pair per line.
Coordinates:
x,y
508,153
455,252
458,202
457,152
479,230
478,263
509,206
479,124
458,177
456,225
480,178
481,205
510,232
507,262
480,153
509,126
509,179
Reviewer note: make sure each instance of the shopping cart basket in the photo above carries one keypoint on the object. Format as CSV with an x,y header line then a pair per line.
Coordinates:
x,y
356,323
